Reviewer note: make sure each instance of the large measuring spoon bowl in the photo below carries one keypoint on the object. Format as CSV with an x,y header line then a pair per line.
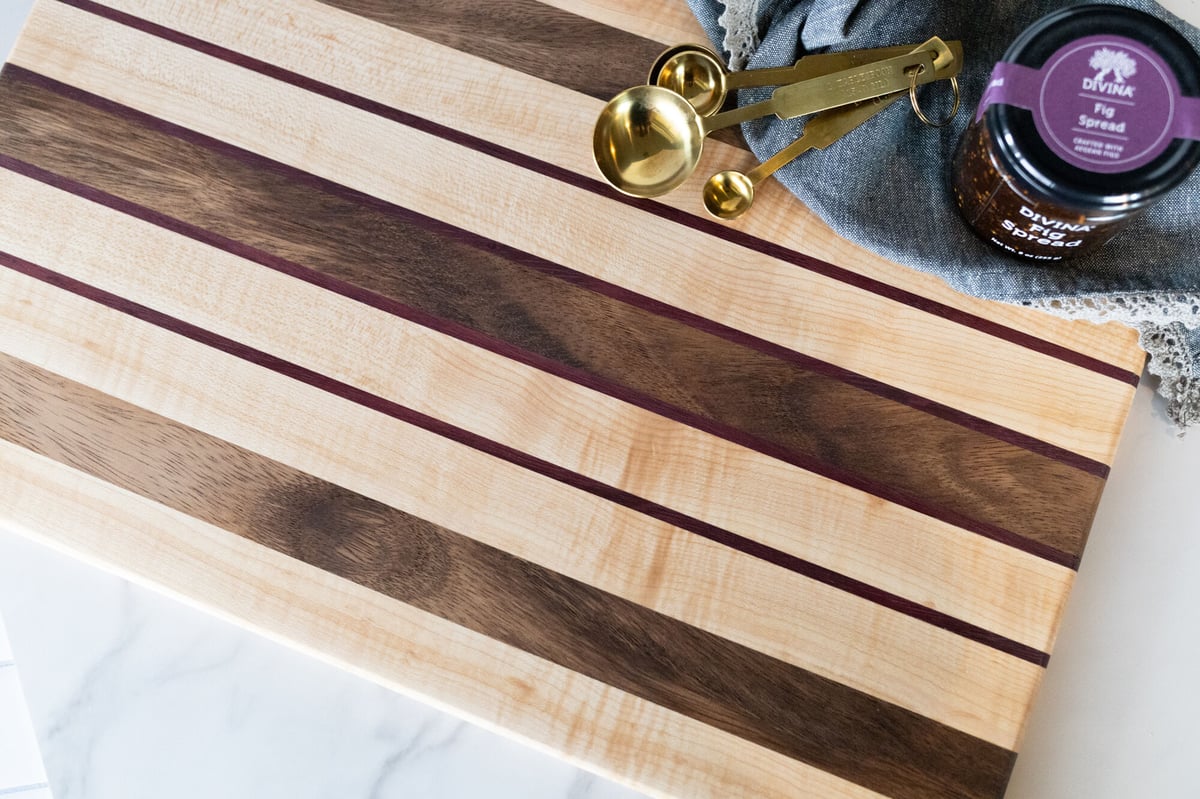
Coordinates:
x,y
647,141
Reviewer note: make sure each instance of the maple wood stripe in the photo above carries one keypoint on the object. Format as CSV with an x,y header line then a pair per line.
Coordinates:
x,y
565,621
1056,534
17,74
775,611
402,648
1065,536
728,432
707,226
665,21
654,510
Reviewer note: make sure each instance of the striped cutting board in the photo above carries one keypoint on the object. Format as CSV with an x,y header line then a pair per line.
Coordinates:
x,y
317,314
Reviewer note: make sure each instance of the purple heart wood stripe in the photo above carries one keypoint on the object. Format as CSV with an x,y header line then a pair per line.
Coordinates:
x,y
401,18
565,621
1058,537
332,305
695,526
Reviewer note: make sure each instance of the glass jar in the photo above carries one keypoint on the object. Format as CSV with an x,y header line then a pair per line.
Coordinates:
x,y
1091,117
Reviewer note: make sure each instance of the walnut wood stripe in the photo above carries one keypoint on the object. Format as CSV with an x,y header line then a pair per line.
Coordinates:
x,y
549,170
577,428
570,623
203,273
530,37
778,612
784,406
355,628
393,67
347,144
655,510
525,35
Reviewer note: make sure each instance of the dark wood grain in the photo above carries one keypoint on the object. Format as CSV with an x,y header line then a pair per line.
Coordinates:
x,y
525,35
681,667
711,532
600,679
533,38
527,161
819,417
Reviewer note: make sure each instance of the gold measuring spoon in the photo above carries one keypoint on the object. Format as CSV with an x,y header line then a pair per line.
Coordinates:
x,y
699,75
729,194
648,139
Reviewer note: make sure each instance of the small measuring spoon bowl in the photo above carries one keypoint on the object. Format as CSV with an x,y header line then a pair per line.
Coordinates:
x,y
693,72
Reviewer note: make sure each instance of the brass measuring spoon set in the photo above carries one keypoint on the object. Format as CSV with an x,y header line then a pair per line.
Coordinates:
x,y
648,139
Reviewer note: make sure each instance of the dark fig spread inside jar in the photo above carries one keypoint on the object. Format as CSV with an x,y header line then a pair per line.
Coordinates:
x,y
1092,116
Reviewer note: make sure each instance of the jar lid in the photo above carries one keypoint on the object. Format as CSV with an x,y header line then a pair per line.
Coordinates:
x,y
1109,85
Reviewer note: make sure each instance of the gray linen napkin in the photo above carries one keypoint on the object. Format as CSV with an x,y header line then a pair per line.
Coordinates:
x,y
868,186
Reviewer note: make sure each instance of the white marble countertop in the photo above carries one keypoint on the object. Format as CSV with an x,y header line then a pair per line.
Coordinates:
x,y
135,695
22,775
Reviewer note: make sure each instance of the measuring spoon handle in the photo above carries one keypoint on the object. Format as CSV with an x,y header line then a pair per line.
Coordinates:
x,y
934,59
811,66
853,85
828,126
822,131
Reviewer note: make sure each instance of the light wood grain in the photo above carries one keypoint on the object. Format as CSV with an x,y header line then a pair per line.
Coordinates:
x,y
936,564
1055,402
373,67
340,288
798,620
495,685
930,459
668,22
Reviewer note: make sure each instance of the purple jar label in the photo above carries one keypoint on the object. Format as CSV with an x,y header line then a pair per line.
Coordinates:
x,y
1102,103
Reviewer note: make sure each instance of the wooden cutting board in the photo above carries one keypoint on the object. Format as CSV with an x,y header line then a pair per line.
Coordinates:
x,y
318,315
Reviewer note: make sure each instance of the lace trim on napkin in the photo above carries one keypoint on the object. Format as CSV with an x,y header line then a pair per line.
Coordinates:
x,y
1162,321
741,31
1172,361
1129,308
